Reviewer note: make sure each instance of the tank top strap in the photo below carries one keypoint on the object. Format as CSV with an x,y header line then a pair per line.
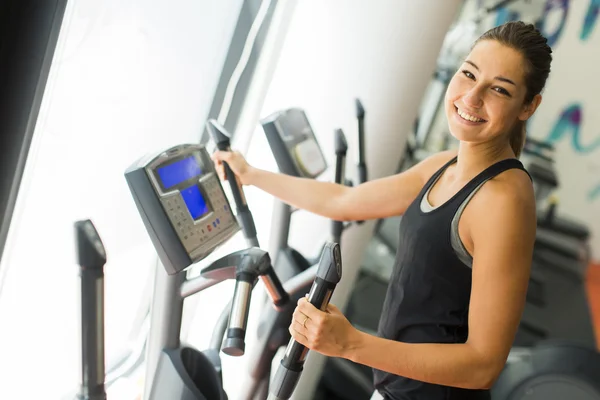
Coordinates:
x,y
436,175
487,174
494,170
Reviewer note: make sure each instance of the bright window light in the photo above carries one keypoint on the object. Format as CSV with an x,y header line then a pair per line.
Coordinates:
x,y
128,77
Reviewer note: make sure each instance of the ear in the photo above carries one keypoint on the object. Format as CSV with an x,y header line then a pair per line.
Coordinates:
x,y
529,109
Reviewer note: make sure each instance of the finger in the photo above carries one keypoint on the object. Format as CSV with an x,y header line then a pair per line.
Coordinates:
x,y
301,319
298,315
307,308
300,326
298,337
221,172
220,155
215,156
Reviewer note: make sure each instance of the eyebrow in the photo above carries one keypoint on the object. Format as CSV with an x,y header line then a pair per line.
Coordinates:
x,y
500,78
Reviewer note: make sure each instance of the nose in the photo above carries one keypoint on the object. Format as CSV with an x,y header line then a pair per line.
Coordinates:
x,y
473,98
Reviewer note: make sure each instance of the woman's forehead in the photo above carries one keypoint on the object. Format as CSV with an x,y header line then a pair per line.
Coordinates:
x,y
492,58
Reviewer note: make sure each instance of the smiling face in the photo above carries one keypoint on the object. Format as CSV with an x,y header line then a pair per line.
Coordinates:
x,y
486,96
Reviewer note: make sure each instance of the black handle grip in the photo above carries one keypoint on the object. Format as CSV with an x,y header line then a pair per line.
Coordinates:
x,y
329,273
360,116
362,166
222,139
90,250
341,148
91,257
362,173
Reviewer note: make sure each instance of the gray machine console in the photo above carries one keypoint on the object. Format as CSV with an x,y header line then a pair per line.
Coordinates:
x,y
183,206
294,144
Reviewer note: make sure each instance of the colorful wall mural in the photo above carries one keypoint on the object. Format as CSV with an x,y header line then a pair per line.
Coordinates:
x,y
569,116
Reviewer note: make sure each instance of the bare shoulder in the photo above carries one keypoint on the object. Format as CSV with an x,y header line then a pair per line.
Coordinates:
x,y
508,197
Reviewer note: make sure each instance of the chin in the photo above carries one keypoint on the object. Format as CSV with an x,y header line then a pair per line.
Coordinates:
x,y
461,134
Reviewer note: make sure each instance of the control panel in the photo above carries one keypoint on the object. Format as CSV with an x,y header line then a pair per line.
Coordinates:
x,y
183,206
294,144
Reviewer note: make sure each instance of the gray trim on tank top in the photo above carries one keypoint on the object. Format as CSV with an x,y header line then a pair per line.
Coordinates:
x,y
457,245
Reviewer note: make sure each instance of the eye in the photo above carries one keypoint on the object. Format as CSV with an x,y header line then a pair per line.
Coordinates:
x,y
501,90
468,74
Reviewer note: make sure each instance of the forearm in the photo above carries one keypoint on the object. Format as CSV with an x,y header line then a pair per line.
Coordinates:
x,y
457,365
318,197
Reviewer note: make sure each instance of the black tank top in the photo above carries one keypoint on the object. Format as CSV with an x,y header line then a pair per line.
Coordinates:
x,y
427,300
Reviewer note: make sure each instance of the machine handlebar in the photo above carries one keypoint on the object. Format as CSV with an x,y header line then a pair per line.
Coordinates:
x,y
222,139
329,274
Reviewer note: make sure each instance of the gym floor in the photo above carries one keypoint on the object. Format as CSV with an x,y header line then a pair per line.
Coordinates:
x,y
593,289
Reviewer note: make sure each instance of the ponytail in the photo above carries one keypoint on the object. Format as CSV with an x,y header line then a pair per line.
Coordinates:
x,y
517,138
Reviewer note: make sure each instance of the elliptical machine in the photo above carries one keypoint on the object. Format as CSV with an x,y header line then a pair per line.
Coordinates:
x,y
297,153
187,216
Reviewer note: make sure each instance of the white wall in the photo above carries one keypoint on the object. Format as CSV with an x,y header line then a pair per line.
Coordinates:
x,y
382,52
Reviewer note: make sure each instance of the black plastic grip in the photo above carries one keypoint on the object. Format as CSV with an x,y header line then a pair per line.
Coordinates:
x,y
362,166
329,273
247,221
90,250
362,173
223,142
222,139
341,148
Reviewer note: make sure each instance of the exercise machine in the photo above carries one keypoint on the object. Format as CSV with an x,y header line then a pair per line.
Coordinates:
x,y
91,257
550,371
297,153
187,216
273,327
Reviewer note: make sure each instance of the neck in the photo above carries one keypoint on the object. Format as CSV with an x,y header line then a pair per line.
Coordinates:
x,y
475,157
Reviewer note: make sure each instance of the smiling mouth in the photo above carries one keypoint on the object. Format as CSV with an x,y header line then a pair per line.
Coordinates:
x,y
468,117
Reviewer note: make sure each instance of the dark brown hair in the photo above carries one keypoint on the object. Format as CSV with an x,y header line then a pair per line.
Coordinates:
x,y
537,54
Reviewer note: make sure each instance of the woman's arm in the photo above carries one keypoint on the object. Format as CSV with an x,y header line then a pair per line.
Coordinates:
x,y
378,198
503,232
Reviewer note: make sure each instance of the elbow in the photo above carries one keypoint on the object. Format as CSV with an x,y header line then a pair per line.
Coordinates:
x,y
342,207
486,375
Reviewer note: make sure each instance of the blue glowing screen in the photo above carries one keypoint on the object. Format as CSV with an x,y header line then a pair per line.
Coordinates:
x,y
194,201
179,171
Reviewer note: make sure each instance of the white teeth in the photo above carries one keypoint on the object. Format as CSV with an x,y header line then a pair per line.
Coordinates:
x,y
468,117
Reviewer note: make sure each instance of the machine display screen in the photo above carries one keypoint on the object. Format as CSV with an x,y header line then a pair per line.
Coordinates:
x,y
194,201
178,172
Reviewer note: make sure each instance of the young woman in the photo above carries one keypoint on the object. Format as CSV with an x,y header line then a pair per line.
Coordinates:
x,y
460,277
